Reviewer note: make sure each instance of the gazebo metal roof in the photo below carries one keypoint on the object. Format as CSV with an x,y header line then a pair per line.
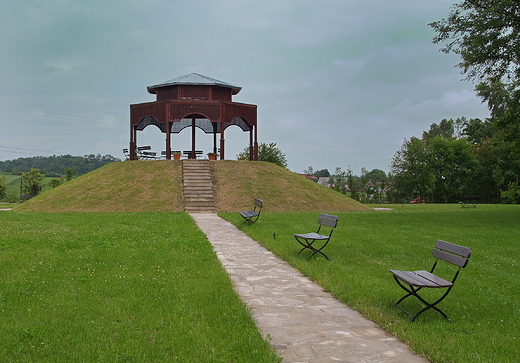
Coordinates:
x,y
194,79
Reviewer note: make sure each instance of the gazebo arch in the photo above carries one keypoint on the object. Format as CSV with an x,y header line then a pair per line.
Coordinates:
x,y
194,101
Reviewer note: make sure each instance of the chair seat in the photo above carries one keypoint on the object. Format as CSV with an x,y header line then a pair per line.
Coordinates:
x,y
248,214
311,235
421,278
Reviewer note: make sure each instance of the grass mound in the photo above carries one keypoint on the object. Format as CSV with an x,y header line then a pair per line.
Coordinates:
x,y
138,186
156,186
238,182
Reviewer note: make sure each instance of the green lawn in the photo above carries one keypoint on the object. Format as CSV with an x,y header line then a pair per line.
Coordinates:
x,y
118,287
484,305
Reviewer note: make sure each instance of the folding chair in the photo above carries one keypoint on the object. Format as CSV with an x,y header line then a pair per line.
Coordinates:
x,y
307,239
414,281
251,216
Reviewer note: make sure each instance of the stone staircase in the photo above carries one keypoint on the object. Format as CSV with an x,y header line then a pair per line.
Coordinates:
x,y
197,186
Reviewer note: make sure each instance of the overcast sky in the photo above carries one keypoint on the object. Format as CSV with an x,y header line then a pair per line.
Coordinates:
x,y
338,83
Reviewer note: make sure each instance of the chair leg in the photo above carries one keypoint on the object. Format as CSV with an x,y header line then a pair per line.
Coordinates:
x,y
308,245
411,291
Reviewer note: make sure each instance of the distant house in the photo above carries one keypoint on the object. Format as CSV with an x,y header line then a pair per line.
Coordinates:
x,y
324,180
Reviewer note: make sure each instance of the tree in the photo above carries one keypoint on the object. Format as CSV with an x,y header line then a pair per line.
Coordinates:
x,y
70,174
267,152
411,170
339,180
32,182
3,187
486,35
322,173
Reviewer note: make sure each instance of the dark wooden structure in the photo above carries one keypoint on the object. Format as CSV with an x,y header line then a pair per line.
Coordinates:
x,y
194,101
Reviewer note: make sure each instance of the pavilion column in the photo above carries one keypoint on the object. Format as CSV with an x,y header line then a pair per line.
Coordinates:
x,y
255,145
251,148
214,124
133,143
192,156
222,141
168,141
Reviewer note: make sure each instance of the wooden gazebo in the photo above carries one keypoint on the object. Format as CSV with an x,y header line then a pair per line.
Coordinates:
x,y
194,101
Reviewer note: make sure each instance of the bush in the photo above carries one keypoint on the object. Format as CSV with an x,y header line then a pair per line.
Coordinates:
x,y
511,195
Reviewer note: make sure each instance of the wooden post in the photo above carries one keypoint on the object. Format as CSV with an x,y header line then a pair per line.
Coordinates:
x,y
168,141
193,156
222,142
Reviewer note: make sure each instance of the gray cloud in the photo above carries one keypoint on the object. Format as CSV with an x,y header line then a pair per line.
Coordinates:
x,y
337,83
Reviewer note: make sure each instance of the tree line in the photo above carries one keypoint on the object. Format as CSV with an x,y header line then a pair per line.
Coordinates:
x,y
55,166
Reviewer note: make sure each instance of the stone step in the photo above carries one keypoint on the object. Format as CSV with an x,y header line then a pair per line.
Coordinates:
x,y
197,187
206,196
204,178
200,210
199,198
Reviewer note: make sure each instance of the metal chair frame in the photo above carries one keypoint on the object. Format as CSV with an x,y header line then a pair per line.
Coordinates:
x,y
307,239
414,281
252,216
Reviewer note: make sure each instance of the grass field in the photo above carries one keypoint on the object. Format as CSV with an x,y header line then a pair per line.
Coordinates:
x,y
118,287
484,305
13,186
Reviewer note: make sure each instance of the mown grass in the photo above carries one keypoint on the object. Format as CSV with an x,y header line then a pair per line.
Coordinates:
x,y
137,186
484,305
118,287
140,186
236,183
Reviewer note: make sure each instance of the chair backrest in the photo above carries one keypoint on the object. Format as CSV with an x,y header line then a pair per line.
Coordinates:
x,y
258,204
328,220
451,253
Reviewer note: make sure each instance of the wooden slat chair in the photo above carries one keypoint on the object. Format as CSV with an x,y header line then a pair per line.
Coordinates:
x,y
414,281
251,216
307,239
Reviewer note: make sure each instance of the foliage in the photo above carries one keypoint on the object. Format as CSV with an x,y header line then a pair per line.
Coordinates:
x,y
3,187
512,194
411,173
338,181
322,173
53,183
56,165
483,306
486,35
267,152
118,287
478,158
32,182
70,174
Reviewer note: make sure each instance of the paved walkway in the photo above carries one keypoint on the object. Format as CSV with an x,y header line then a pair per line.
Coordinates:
x,y
304,323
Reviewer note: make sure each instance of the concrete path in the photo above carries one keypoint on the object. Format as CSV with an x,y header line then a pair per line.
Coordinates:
x,y
302,322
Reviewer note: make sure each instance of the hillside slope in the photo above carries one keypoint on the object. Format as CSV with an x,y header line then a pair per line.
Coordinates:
x,y
238,182
137,186
151,186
